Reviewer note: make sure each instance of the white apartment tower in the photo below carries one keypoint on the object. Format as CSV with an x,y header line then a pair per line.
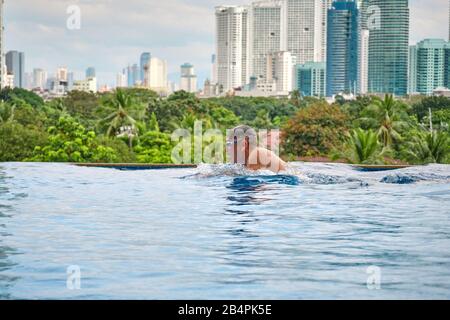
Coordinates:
x,y
39,79
62,74
157,75
232,46
306,29
267,34
364,62
280,66
188,80
246,35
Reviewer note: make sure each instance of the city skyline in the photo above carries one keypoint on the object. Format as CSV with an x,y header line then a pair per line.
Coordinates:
x,y
138,30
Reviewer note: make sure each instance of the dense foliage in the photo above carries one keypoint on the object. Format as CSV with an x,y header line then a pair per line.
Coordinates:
x,y
135,125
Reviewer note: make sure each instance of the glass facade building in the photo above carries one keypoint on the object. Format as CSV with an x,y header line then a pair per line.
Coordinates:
x,y
388,48
429,66
310,79
145,60
15,64
90,72
343,48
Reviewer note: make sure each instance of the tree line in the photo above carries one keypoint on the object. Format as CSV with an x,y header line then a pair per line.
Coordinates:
x,y
135,125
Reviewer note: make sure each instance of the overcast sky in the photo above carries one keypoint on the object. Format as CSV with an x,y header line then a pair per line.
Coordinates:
x,y
113,33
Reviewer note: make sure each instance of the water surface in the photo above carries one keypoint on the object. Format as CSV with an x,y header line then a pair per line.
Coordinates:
x,y
219,232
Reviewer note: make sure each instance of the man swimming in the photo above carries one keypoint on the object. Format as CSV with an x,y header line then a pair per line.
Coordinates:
x,y
242,148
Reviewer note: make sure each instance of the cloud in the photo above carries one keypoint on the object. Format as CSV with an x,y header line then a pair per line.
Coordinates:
x,y
114,32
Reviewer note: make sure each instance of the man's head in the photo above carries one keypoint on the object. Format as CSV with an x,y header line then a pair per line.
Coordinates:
x,y
240,142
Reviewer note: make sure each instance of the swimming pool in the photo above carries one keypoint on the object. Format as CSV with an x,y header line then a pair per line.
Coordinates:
x,y
219,232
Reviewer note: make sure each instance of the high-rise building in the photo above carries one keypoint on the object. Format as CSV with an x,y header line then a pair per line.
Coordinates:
x,y
246,35
232,46
266,34
121,79
9,81
144,62
188,81
70,81
364,61
136,74
3,72
62,74
280,70
15,64
306,29
388,48
412,70
39,79
130,80
28,80
310,79
87,85
158,75
429,65
90,72
343,52
133,75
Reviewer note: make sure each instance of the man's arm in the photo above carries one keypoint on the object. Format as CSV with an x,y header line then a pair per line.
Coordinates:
x,y
270,160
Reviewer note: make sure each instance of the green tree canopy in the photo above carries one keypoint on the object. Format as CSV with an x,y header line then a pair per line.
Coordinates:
x,y
315,130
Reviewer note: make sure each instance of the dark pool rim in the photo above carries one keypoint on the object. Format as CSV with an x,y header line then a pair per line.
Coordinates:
x,y
370,167
136,166
154,166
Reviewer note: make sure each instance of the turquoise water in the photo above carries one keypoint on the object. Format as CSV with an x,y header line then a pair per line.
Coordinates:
x,y
219,232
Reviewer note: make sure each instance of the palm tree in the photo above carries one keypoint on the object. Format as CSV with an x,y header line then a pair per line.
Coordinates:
x,y
388,116
363,146
6,112
296,97
121,106
431,147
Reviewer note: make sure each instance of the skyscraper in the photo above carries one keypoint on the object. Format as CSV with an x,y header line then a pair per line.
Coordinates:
x,y
412,70
364,60
310,79
158,75
39,79
133,75
232,46
188,80
429,65
280,70
90,72
247,35
343,48
2,58
121,79
15,64
388,48
144,61
266,34
306,29
70,80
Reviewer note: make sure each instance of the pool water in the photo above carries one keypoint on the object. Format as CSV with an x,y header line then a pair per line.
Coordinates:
x,y
220,232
